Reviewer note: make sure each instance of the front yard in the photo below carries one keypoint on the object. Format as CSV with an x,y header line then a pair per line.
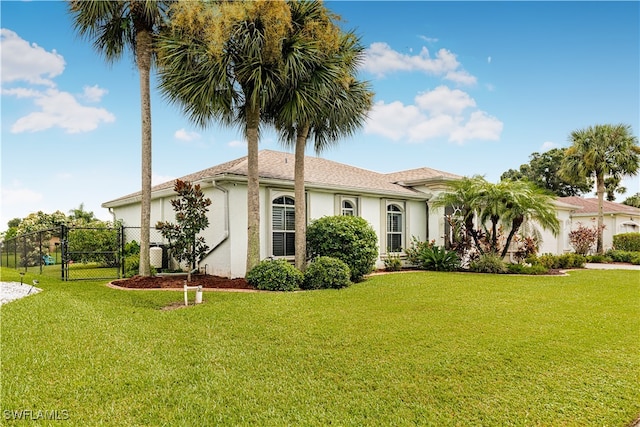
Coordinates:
x,y
399,349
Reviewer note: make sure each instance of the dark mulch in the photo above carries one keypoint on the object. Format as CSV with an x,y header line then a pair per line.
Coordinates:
x,y
177,281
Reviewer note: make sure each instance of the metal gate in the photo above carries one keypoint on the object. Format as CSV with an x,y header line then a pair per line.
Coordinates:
x,y
90,253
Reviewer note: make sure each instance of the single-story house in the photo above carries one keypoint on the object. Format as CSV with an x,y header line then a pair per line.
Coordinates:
x,y
574,212
395,204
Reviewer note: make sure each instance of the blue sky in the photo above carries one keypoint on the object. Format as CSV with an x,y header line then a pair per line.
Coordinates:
x,y
464,87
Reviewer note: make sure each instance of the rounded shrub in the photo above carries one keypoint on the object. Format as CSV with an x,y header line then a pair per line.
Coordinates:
x,y
326,272
489,263
275,275
348,238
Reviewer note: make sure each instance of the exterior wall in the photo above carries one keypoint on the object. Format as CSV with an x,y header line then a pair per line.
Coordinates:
x,y
613,224
227,232
556,244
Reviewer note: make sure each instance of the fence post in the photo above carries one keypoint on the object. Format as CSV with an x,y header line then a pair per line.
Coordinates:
x,y
63,252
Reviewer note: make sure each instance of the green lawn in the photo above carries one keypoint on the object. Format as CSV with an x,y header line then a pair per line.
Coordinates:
x,y
401,349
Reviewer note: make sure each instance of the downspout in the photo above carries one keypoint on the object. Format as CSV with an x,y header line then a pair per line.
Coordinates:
x,y
225,235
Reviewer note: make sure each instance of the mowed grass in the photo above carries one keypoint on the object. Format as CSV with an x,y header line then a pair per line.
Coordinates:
x,y
400,349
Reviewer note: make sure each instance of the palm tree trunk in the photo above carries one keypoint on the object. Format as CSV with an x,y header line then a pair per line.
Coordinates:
x,y
253,188
600,190
143,47
515,226
300,206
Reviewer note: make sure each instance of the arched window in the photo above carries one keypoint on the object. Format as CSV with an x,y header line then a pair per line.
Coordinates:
x,y
347,208
395,228
283,226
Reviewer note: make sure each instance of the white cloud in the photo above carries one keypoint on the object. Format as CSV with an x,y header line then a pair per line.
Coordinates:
x,y
392,120
62,110
440,113
444,100
237,143
479,126
26,62
381,59
93,93
184,135
548,145
429,39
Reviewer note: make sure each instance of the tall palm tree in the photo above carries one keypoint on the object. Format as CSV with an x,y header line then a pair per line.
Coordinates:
x,y
114,27
222,61
321,99
601,152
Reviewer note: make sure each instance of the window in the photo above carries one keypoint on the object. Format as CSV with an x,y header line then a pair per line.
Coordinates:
x,y
346,205
283,226
394,228
347,208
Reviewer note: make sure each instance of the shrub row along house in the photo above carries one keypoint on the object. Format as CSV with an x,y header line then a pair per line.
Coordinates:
x,y
395,204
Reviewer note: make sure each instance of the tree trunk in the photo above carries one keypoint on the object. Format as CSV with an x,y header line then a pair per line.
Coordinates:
x,y
300,206
600,190
515,226
253,189
143,47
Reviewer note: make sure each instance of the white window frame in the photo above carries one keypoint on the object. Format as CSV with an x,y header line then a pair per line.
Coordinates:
x,y
273,197
353,200
402,212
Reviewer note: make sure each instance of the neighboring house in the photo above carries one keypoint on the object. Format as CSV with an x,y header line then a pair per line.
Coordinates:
x,y
576,211
395,204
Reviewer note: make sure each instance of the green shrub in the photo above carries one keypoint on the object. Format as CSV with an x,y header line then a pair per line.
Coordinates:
x,y
275,275
326,272
348,238
489,263
599,259
559,261
438,259
392,262
132,265
627,242
526,269
622,256
635,260
415,251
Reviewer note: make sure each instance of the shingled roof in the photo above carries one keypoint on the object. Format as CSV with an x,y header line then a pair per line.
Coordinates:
x,y
319,172
590,206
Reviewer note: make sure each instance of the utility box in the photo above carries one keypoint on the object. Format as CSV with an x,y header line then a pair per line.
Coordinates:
x,y
155,257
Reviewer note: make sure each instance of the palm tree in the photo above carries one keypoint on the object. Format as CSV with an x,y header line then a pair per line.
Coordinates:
x,y
524,201
114,27
463,195
222,61
601,152
321,99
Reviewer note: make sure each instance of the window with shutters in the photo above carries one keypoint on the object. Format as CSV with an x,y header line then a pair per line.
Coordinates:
x,y
283,226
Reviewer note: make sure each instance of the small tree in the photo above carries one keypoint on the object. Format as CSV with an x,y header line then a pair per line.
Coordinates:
x,y
191,218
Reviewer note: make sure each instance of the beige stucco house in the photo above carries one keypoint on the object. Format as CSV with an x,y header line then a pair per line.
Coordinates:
x,y
395,204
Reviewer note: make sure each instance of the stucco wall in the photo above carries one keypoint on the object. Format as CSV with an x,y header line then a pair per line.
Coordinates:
x,y
227,233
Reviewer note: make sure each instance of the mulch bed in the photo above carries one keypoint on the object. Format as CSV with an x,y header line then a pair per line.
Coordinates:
x,y
177,282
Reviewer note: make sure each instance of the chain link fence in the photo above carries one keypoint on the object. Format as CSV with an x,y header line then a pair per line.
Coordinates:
x,y
79,253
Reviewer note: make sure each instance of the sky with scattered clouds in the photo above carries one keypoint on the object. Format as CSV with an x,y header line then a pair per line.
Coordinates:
x,y
464,87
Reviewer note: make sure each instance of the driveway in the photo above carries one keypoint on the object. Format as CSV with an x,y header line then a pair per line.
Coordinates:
x,y
612,266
